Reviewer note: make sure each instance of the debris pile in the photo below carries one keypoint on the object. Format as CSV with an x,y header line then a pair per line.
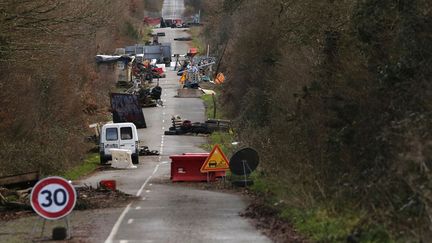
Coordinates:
x,y
15,203
194,70
182,127
93,198
145,151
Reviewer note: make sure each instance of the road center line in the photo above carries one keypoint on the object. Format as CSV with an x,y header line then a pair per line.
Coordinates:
x,y
130,221
117,224
126,210
148,179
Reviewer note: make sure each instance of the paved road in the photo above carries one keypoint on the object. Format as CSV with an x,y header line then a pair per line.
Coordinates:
x,y
168,212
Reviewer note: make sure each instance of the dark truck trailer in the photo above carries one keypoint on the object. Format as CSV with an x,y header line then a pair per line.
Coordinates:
x,y
162,52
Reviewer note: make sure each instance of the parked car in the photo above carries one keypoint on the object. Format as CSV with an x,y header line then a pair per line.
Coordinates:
x,y
121,136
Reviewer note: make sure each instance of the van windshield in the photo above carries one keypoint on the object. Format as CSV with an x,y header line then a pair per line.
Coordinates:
x,y
126,133
111,134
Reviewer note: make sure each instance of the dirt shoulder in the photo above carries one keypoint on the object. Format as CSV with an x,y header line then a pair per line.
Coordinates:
x,y
95,208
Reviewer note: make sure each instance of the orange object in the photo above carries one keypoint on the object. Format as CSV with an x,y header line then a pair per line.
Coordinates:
x,y
220,78
192,52
108,184
183,78
216,161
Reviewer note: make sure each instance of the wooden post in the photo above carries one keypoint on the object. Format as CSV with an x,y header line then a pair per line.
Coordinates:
x,y
214,106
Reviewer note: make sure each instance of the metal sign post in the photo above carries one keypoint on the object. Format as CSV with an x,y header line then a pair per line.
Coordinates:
x,y
53,198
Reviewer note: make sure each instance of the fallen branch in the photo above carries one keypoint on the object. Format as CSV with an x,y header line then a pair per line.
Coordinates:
x,y
3,200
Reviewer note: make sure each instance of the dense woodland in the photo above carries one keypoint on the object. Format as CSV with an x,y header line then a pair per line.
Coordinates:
x,y
51,89
336,96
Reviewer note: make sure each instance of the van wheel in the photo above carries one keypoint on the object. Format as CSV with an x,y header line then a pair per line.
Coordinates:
x,y
135,159
103,160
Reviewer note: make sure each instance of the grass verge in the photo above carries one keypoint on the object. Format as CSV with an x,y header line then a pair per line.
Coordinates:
x,y
88,166
209,105
197,41
320,222
224,139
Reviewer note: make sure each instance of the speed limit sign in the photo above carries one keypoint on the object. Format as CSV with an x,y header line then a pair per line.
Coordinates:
x,y
53,198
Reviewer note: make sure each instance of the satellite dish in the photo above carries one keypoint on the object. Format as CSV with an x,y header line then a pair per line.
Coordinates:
x,y
244,161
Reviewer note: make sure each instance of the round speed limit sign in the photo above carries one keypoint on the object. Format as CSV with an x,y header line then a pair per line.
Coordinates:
x,y
53,198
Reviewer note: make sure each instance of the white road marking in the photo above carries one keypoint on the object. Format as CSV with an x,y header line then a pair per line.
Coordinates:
x,y
138,208
163,128
143,198
147,191
123,241
150,184
130,221
163,121
148,179
117,224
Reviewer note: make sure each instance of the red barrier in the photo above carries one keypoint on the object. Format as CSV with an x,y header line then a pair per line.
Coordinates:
x,y
108,184
218,174
187,167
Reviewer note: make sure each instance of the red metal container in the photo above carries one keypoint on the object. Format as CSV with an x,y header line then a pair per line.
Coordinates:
x,y
218,174
108,184
187,167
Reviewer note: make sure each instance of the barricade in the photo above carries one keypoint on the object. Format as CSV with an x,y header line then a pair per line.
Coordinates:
x,y
218,174
108,184
186,167
121,158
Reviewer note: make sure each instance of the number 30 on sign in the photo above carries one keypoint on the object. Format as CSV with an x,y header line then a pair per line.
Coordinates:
x,y
53,198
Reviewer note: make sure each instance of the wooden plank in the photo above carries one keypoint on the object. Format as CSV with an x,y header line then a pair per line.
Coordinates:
x,y
20,178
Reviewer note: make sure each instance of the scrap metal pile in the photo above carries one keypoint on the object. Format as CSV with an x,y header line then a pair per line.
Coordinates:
x,y
138,66
195,69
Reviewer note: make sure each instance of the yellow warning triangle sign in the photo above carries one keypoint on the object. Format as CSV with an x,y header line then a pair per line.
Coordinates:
x,y
216,161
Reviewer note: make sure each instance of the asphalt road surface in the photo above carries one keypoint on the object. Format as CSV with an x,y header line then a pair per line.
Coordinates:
x,y
168,212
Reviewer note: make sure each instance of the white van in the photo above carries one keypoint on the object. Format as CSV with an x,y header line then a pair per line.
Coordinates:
x,y
121,136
